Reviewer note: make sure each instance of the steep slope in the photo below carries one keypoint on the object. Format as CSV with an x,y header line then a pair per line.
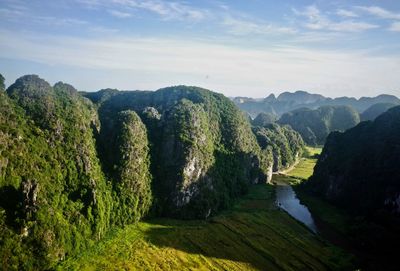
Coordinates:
x,y
53,194
358,169
129,162
203,152
358,172
285,144
72,168
263,119
375,110
315,125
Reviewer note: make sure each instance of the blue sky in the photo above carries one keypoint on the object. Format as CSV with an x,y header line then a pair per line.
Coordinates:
x,y
240,48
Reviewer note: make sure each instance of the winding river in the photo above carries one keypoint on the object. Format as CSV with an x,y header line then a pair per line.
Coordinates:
x,y
287,200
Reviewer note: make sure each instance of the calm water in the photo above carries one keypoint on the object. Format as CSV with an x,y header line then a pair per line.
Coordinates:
x,y
287,200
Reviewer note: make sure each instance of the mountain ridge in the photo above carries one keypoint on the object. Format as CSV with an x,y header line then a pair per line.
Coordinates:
x,y
288,101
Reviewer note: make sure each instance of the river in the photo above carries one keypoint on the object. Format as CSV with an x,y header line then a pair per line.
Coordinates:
x,y
287,200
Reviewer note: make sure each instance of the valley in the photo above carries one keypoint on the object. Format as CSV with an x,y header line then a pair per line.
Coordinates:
x,y
199,135
180,178
253,235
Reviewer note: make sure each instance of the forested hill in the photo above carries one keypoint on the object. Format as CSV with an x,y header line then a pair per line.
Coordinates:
x,y
315,125
75,165
289,101
359,170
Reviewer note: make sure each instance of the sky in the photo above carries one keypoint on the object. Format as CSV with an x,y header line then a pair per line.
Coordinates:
x,y
240,48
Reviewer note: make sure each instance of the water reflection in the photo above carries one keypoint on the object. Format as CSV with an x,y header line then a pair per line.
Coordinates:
x,y
287,200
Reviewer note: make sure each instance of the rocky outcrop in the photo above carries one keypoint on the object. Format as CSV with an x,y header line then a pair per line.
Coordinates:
x,y
72,168
130,171
358,169
285,145
57,195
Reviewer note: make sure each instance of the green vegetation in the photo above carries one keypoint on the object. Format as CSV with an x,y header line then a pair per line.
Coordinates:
x,y
203,153
285,144
372,112
366,155
253,235
54,199
264,119
71,170
304,169
129,158
315,125
2,84
358,174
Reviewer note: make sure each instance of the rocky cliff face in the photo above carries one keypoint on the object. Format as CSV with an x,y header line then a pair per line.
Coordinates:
x,y
285,145
129,160
358,169
203,153
186,155
73,166
54,195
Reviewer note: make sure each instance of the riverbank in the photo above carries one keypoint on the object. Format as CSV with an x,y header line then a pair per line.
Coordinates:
x,y
372,242
253,235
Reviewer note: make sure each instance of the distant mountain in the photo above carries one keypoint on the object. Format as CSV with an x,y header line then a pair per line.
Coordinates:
x,y
300,98
375,110
264,119
314,125
288,101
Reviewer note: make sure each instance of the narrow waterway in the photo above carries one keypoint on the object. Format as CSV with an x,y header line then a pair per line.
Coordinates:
x,y
287,200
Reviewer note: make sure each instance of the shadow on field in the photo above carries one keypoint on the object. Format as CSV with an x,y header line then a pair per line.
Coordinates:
x,y
254,233
227,238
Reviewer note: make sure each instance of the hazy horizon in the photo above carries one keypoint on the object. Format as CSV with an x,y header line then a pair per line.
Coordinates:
x,y
252,49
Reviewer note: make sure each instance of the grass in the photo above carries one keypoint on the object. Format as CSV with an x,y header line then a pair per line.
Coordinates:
x,y
253,235
304,169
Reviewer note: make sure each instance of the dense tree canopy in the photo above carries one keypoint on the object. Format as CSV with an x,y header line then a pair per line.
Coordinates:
x,y
358,169
71,168
263,119
375,110
315,125
286,144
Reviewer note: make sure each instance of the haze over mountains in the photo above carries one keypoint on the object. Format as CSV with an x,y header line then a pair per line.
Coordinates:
x,y
288,101
315,116
76,165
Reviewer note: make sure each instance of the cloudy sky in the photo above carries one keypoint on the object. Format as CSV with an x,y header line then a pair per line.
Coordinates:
x,y
240,48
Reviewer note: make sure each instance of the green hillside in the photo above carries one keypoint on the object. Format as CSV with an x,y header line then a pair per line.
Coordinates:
x,y
253,235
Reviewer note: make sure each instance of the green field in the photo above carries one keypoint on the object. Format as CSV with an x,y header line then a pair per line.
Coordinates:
x,y
253,235
303,169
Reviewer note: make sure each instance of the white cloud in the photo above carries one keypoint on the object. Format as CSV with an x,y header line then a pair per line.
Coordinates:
x,y
380,12
167,10
346,13
154,63
119,14
7,12
395,27
245,27
316,20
